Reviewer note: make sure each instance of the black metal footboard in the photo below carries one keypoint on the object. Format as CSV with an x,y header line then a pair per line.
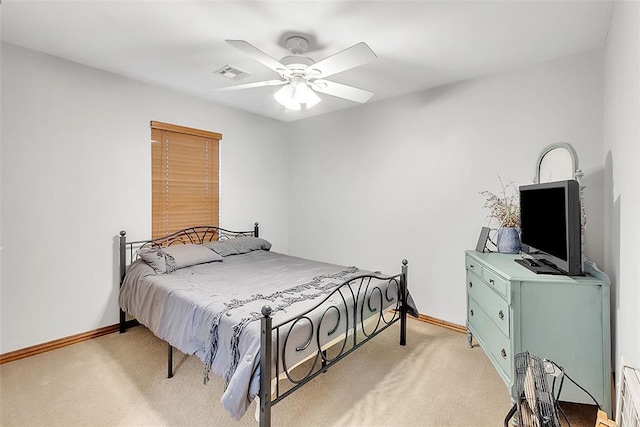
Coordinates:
x,y
358,315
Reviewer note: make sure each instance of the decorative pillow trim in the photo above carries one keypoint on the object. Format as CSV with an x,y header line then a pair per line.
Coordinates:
x,y
171,263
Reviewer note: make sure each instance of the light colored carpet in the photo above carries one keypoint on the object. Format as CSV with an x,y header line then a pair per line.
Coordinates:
x,y
119,380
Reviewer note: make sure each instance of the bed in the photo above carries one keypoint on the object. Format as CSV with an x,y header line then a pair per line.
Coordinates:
x,y
265,322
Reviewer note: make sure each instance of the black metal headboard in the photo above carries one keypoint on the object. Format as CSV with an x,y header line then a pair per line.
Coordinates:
x,y
196,235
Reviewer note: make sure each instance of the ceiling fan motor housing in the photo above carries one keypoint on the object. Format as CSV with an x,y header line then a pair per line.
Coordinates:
x,y
297,63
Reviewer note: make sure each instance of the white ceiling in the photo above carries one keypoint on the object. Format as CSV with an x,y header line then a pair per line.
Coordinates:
x,y
419,44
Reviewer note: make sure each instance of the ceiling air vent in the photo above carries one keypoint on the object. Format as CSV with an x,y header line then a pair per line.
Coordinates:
x,y
232,73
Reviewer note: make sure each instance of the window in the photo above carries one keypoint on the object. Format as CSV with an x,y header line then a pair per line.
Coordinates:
x,y
185,178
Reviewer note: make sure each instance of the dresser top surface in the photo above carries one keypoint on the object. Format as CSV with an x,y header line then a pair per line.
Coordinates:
x,y
505,265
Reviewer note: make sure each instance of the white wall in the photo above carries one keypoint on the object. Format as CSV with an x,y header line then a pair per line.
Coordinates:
x,y
622,183
400,178
76,170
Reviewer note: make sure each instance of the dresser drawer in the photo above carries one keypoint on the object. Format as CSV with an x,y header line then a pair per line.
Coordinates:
x,y
473,265
493,304
496,281
493,341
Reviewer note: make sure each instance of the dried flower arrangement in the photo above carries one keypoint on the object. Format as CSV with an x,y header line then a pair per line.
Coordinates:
x,y
504,207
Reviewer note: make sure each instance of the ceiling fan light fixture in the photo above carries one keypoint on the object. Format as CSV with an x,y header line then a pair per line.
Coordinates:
x,y
305,95
286,97
296,93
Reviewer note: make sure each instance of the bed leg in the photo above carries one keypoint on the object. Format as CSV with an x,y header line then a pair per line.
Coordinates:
x,y
403,308
169,361
123,269
265,367
123,324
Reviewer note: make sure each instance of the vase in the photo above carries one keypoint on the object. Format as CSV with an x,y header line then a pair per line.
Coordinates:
x,y
508,240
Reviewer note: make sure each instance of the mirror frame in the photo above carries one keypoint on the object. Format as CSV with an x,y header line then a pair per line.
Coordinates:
x,y
576,172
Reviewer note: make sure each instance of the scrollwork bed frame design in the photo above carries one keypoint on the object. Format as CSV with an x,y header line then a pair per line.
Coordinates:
x,y
350,328
359,289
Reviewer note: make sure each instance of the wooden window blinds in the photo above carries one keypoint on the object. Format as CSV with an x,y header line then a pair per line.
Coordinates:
x,y
185,178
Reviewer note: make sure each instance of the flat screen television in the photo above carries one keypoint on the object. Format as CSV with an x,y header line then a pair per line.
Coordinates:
x,y
550,224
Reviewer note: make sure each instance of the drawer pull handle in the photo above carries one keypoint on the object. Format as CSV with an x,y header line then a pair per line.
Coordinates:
x,y
471,284
492,282
501,315
471,266
471,312
503,353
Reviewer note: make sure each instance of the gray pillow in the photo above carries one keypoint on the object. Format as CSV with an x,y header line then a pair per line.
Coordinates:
x,y
154,256
238,245
248,244
172,258
222,247
181,256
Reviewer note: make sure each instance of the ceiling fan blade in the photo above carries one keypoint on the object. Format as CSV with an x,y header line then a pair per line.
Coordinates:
x,y
260,56
342,91
252,85
351,57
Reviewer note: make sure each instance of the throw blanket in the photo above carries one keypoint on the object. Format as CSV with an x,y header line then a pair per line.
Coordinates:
x,y
318,287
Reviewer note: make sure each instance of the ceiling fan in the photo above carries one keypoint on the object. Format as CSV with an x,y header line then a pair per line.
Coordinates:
x,y
301,77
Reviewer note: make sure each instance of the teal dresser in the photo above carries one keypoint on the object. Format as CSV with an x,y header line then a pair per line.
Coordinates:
x,y
564,319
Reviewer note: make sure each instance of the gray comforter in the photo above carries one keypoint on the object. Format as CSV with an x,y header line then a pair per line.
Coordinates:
x,y
212,310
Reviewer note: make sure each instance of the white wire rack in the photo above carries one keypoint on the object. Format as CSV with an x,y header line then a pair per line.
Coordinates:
x,y
628,406
534,402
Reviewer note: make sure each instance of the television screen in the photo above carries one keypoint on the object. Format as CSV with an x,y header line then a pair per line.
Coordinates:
x,y
550,223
